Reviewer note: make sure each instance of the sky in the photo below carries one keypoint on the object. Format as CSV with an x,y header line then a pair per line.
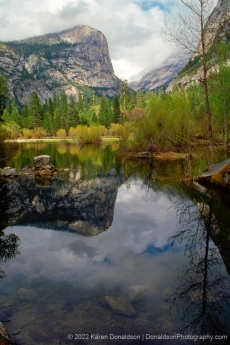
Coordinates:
x,y
132,27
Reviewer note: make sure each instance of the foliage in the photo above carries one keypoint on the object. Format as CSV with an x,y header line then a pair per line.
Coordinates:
x,y
61,133
4,90
13,129
89,134
26,133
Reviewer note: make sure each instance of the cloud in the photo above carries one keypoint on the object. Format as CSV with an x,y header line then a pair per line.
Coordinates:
x,y
131,27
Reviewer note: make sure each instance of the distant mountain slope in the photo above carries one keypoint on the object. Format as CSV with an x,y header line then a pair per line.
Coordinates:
x,y
53,62
159,77
217,30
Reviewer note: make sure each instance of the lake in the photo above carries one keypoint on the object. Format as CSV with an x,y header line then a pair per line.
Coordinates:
x,y
113,251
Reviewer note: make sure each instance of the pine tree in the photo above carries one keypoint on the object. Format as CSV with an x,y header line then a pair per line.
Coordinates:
x,y
140,99
64,111
57,120
73,115
105,113
25,117
35,111
124,94
116,109
80,103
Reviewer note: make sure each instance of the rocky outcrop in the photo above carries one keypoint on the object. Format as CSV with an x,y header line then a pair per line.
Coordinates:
x,y
53,62
84,207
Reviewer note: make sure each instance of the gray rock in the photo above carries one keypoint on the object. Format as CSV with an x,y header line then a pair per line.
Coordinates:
x,y
140,292
41,161
28,294
9,172
120,306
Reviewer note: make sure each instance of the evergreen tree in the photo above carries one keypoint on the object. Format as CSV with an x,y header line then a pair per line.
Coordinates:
x,y
73,115
15,113
124,99
105,115
64,111
57,120
4,92
25,117
80,103
140,99
35,111
116,109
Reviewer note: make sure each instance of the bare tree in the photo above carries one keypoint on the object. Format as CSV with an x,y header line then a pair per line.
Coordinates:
x,y
191,33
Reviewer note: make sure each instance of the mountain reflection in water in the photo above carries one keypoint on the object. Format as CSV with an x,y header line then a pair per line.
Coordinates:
x,y
143,230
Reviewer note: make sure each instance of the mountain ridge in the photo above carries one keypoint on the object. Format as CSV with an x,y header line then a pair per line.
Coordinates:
x,y
64,60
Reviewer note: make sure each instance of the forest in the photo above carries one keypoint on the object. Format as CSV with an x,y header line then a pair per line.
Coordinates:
x,y
173,121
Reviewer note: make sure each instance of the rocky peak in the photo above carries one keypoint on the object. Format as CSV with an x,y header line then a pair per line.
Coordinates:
x,y
63,60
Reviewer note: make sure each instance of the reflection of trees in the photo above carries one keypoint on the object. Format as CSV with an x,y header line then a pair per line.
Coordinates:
x,y
202,296
8,243
8,249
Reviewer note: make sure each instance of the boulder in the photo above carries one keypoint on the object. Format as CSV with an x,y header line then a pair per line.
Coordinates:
x,y
217,174
120,306
140,292
28,294
9,172
41,161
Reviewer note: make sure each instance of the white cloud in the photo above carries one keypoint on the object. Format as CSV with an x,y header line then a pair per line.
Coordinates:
x,y
132,32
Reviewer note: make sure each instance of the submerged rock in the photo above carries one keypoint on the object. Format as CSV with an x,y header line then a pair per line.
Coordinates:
x,y
140,292
120,306
28,294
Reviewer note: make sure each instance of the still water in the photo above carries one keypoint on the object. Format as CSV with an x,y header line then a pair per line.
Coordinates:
x,y
113,252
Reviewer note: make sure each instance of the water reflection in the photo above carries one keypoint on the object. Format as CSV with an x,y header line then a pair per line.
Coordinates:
x,y
202,297
130,207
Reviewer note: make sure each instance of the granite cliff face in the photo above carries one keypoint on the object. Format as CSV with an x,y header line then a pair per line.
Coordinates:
x,y
159,77
53,62
217,29
84,207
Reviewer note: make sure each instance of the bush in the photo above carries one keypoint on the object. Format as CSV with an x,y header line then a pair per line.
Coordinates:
x,y
38,133
61,133
26,133
12,129
87,134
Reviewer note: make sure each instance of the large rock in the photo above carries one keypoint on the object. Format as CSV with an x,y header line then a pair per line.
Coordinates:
x,y
217,174
28,294
41,161
9,172
120,306
140,292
